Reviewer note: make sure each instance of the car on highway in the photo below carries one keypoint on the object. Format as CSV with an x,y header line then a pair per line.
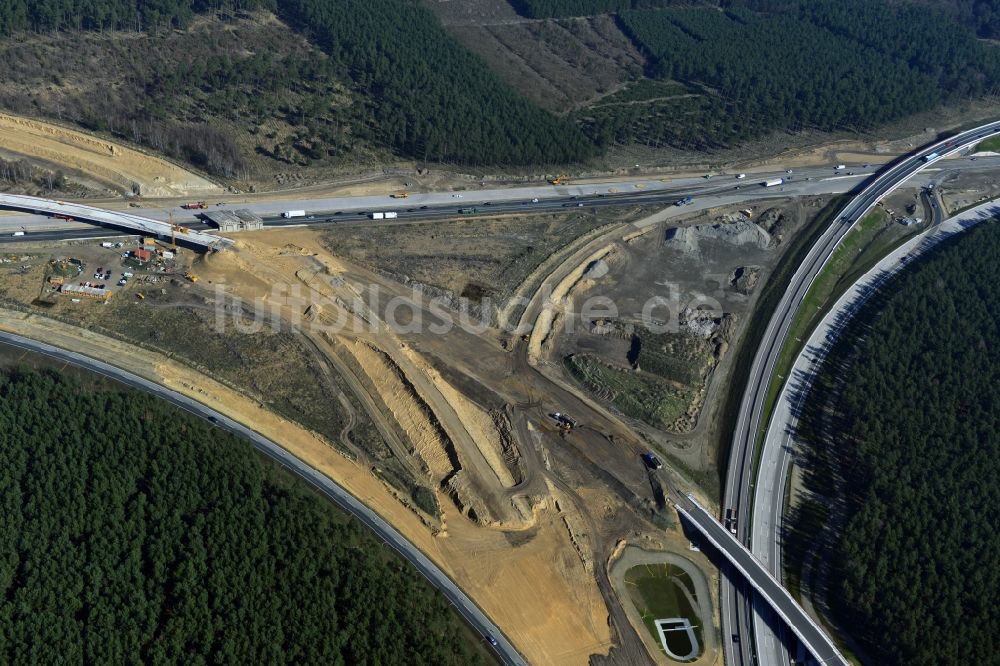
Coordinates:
x,y
492,640
534,201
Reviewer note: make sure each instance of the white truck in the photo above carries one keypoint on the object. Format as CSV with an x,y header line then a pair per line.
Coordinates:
x,y
840,167
740,176
109,245
773,182
378,216
17,233
390,215
288,214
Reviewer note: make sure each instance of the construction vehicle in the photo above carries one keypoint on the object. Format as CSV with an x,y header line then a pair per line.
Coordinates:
x,y
201,205
191,277
651,461
558,180
174,228
400,195
564,422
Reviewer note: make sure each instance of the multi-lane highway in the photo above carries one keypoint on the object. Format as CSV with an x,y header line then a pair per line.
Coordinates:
x,y
720,190
465,606
779,441
738,617
134,223
749,567
737,610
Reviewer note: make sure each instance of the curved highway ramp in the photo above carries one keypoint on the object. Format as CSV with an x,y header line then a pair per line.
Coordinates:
x,y
813,638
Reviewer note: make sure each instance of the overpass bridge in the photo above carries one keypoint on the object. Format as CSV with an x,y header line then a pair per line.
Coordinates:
x,y
764,583
127,221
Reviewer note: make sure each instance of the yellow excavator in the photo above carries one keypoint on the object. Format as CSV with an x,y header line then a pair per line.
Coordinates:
x,y
558,180
400,195
191,276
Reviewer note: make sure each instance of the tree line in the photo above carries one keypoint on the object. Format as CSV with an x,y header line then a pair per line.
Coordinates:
x,y
133,532
783,64
913,425
566,8
749,67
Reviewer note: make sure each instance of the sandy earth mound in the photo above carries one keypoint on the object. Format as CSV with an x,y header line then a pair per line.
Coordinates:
x,y
107,162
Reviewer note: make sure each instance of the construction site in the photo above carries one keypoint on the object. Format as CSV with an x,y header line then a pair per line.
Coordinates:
x,y
520,477
488,384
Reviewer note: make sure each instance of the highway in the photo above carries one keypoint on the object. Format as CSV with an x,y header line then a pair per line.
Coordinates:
x,y
761,580
779,443
337,494
129,221
720,190
737,613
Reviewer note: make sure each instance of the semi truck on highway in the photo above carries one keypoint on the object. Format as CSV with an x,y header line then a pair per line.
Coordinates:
x,y
930,157
201,205
390,215
288,214
467,211
731,520
840,167
773,182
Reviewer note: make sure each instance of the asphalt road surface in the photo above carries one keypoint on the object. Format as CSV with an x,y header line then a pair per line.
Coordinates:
x,y
768,586
720,190
778,448
739,625
465,606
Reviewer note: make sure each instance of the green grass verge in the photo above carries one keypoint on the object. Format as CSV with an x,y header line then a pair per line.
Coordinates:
x,y
658,592
863,247
991,145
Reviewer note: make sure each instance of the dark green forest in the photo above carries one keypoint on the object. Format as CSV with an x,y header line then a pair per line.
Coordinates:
x,y
133,532
565,8
908,417
396,81
762,65
425,96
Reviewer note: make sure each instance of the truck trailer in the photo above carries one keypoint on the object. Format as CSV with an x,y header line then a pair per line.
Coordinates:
x,y
288,214
773,182
930,157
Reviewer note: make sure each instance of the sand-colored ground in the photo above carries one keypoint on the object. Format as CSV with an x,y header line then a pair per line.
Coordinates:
x,y
538,591
547,316
102,160
403,404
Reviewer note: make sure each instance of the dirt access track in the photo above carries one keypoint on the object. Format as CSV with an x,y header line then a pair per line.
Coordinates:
x,y
109,163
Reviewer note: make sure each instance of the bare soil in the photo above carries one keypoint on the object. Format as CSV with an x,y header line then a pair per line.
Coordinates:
x,y
120,168
560,65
